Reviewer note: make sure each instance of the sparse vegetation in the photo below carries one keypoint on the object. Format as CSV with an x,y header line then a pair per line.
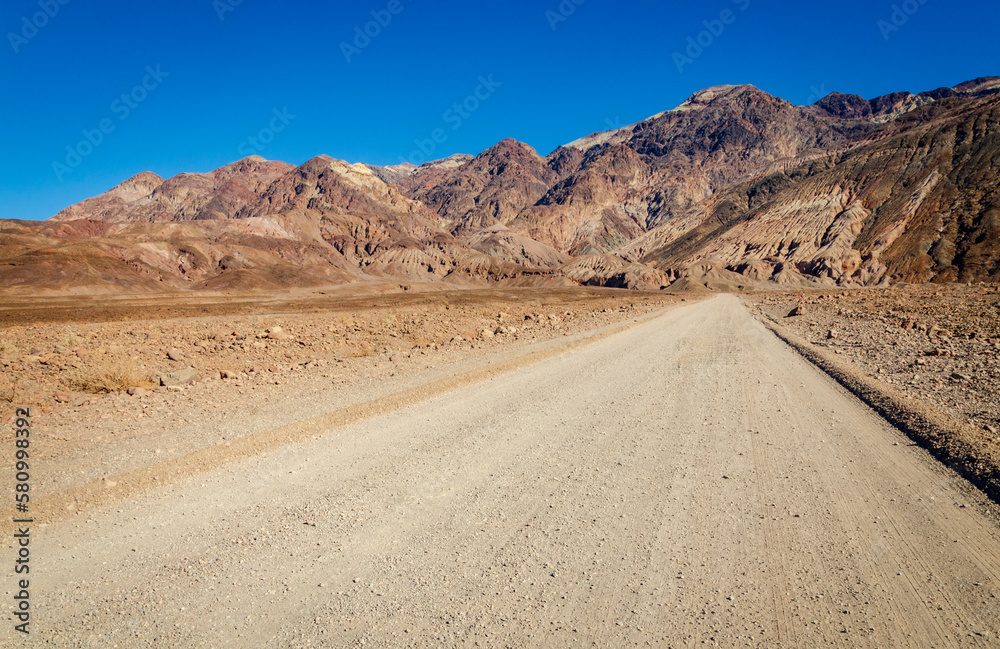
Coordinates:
x,y
111,374
73,340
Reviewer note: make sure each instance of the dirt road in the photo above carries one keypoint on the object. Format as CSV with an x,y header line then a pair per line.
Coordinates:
x,y
688,482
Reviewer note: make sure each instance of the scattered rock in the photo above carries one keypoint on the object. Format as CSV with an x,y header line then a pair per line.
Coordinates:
x,y
797,311
277,333
937,332
174,355
180,377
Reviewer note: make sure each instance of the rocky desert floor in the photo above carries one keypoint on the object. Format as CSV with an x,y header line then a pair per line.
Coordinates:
x,y
668,474
121,383
938,343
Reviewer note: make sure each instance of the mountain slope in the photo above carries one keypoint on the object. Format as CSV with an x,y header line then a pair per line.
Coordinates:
x,y
733,187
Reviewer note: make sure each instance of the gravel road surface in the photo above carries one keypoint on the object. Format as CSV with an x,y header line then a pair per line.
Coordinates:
x,y
688,482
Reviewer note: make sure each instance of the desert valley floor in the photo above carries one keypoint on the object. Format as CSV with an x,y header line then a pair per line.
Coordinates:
x,y
506,468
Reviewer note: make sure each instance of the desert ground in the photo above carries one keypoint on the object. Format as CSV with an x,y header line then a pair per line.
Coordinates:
x,y
516,467
938,343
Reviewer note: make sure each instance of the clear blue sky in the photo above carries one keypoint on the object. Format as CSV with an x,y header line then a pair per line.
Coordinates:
x,y
605,63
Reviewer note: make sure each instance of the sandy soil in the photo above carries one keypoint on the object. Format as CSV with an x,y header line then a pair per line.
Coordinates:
x,y
687,481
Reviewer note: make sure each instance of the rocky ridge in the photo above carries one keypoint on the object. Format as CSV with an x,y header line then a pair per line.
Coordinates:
x,y
732,188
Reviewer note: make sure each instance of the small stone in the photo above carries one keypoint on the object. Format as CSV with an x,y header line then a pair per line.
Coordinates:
x,y
174,354
180,377
958,376
137,392
832,334
938,332
797,311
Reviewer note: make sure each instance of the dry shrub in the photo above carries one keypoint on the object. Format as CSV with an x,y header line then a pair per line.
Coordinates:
x,y
111,374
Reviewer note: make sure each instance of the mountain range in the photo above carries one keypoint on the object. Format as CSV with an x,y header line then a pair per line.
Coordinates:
x,y
733,188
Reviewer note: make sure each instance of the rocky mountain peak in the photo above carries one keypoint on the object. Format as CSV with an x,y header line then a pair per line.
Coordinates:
x,y
845,106
715,94
143,183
